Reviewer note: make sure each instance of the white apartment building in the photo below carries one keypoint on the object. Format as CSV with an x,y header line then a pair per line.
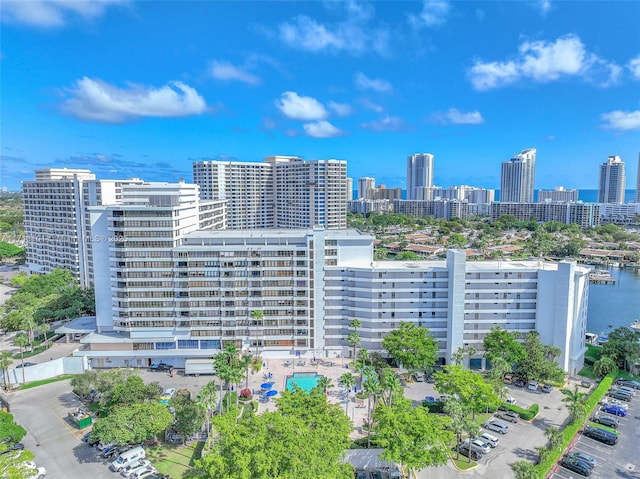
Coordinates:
x,y
613,181
185,301
366,186
439,208
558,195
419,174
585,215
282,192
518,177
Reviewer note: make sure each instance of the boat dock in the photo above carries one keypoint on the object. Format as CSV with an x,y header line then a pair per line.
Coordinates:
x,y
601,277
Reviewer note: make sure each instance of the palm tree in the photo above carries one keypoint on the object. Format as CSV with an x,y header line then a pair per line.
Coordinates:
x,y
207,399
6,358
258,317
22,341
371,386
390,384
554,435
354,338
324,383
347,381
576,399
363,359
246,362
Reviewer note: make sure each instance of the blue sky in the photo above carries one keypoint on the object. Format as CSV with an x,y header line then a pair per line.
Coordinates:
x,y
145,88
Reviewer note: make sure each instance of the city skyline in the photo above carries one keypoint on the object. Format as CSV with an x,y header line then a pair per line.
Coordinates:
x,y
144,89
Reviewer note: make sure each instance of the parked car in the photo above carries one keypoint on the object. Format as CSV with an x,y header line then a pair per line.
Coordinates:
x,y
169,392
496,426
429,399
490,438
511,400
481,444
26,364
576,466
606,421
583,456
613,409
146,474
532,386
620,395
616,402
510,416
133,473
547,388
419,377
140,463
600,435
161,367
624,389
629,383
519,383
465,450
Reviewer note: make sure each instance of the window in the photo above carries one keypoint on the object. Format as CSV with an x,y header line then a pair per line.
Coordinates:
x,y
167,345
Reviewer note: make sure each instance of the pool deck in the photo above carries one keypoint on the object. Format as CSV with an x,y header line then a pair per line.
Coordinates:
x,y
332,369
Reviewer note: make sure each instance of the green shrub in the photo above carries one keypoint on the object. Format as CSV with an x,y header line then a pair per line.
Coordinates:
x,y
526,414
434,407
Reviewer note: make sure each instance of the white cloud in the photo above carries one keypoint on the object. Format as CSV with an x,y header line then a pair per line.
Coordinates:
x,y
53,13
621,120
544,62
341,109
365,83
299,107
96,100
321,129
388,123
226,71
544,6
453,116
634,67
354,35
434,13
369,105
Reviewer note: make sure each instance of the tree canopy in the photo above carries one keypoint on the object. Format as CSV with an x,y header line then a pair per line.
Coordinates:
x,y
500,343
412,346
303,439
133,424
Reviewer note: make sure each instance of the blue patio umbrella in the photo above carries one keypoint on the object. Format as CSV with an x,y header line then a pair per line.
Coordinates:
x,y
265,386
271,393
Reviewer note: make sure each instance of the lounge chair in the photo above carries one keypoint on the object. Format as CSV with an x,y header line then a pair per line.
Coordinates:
x,y
287,363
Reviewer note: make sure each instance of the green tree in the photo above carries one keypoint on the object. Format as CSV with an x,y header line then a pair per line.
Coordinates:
x,y
390,385
576,403
524,470
469,388
6,359
132,391
10,431
83,384
500,343
412,346
189,416
324,383
206,399
623,347
538,361
604,366
411,436
133,424
354,338
347,381
22,341
554,436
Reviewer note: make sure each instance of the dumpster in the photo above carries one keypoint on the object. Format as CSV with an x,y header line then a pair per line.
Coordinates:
x,y
80,418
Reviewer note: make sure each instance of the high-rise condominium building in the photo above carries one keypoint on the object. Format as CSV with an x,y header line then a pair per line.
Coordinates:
x,y
518,176
419,173
282,192
366,187
56,221
186,301
558,195
612,181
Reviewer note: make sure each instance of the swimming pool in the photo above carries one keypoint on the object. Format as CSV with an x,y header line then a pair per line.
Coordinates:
x,y
305,381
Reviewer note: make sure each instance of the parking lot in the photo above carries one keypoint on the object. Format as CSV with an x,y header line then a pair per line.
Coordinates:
x,y
518,444
621,460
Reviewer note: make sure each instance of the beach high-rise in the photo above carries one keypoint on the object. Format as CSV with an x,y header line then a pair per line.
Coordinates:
x,y
612,181
419,173
518,177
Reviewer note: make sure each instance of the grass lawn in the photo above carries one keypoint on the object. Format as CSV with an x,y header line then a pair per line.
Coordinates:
x,y
46,381
587,372
463,463
174,460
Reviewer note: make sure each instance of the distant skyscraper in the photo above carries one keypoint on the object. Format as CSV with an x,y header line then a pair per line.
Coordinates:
x,y
349,188
518,176
366,186
419,173
612,181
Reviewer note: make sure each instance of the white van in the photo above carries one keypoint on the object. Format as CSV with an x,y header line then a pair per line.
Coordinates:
x,y
490,438
126,458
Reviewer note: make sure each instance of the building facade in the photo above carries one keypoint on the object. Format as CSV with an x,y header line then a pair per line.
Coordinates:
x,y
518,177
282,192
419,173
558,195
585,215
366,187
612,181
188,300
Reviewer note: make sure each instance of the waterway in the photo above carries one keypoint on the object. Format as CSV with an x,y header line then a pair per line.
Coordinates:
x,y
614,305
